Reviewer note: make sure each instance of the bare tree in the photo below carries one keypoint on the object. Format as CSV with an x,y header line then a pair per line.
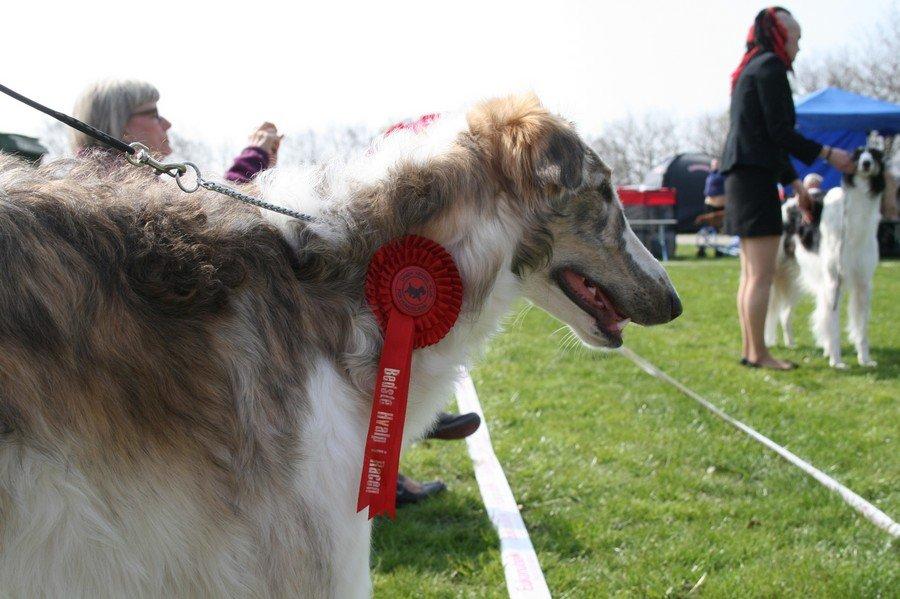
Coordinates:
x,y
306,147
56,137
870,67
633,145
299,147
707,133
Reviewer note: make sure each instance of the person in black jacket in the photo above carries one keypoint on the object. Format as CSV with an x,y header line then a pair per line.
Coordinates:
x,y
760,138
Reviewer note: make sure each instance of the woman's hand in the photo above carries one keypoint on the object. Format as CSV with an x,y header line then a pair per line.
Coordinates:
x,y
804,201
266,137
840,159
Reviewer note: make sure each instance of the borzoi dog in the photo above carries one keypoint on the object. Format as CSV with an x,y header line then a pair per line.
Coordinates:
x,y
837,251
185,383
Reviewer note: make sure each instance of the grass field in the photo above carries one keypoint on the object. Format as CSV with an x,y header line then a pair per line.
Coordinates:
x,y
631,489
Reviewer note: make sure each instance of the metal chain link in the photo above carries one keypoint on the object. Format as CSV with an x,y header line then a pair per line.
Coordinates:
x,y
177,170
242,197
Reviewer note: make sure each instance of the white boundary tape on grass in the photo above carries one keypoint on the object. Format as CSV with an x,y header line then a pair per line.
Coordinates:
x,y
866,509
524,578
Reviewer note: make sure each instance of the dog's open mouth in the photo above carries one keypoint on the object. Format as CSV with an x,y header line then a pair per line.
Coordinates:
x,y
587,295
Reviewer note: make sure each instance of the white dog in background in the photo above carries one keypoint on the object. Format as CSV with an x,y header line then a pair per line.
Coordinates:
x,y
837,251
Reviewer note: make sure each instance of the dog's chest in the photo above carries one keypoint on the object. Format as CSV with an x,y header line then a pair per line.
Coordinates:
x,y
860,216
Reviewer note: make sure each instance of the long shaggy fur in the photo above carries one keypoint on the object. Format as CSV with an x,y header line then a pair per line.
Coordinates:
x,y
185,382
838,252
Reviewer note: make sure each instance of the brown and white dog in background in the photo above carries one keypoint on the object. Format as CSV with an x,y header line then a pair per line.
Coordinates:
x,y
185,382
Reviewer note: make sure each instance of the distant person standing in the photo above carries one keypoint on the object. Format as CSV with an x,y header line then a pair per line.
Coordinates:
x,y
714,187
760,138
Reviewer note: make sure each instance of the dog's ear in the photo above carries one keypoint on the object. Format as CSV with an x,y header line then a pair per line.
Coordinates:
x,y
561,162
875,141
849,179
531,149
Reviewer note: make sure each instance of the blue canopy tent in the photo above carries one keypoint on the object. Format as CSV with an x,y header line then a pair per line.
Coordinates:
x,y
842,119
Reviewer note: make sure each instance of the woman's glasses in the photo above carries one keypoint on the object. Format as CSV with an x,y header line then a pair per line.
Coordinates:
x,y
151,112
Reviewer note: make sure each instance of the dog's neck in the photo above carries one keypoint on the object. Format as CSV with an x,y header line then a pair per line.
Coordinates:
x,y
480,233
861,212
427,185
484,257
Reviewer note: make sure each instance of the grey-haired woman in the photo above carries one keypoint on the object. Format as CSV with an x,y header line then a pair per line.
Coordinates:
x,y
127,109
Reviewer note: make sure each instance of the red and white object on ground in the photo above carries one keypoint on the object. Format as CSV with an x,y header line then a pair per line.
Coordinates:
x,y
524,578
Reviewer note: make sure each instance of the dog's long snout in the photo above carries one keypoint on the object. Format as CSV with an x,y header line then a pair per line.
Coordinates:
x,y
866,165
676,305
653,299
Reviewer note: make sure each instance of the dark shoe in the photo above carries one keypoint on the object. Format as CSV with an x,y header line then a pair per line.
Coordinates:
x,y
410,491
749,364
454,426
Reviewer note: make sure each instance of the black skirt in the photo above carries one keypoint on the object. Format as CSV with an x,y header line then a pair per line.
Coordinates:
x,y
752,206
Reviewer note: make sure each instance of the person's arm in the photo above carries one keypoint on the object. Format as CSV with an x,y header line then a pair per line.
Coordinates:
x,y
889,200
258,156
804,201
788,173
778,106
249,163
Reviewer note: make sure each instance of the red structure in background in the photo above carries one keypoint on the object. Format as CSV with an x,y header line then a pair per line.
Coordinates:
x,y
639,196
651,212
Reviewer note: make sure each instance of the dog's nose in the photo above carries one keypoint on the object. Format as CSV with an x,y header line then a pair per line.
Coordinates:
x,y
866,165
676,305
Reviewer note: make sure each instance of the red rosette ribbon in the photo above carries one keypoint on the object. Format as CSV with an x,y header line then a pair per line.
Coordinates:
x,y
415,291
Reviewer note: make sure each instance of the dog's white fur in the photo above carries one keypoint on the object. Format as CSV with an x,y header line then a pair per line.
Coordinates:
x,y
845,261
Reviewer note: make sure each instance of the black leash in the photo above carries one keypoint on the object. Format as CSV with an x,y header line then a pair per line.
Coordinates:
x,y
139,155
71,122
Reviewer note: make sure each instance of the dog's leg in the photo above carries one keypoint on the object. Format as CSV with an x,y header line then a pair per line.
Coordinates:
x,y
771,330
793,295
831,326
352,576
858,325
819,321
787,325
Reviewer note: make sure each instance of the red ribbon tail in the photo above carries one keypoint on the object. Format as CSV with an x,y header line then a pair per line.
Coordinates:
x,y
381,460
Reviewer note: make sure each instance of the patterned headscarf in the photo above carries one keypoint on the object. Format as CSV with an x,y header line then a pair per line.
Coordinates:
x,y
766,34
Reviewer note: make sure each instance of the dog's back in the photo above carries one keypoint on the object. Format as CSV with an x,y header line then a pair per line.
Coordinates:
x,y
128,342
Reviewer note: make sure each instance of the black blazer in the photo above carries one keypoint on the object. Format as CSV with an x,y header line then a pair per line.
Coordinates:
x,y
762,121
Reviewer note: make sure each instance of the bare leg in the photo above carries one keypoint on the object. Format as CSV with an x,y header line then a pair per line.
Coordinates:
x,y
742,287
759,255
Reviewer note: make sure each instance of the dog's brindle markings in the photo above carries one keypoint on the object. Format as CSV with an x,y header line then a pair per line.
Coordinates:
x,y
185,383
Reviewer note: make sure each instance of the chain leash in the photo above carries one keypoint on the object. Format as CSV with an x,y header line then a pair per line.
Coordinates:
x,y
179,171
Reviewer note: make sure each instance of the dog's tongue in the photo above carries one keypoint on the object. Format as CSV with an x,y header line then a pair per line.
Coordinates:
x,y
598,300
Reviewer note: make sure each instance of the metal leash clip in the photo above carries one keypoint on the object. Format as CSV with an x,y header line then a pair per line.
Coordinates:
x,y
142,156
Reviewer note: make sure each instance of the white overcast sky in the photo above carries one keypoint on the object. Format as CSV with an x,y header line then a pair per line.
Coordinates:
x,y
223,67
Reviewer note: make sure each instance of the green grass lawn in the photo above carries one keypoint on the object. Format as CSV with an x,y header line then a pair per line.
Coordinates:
x,y
631,489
